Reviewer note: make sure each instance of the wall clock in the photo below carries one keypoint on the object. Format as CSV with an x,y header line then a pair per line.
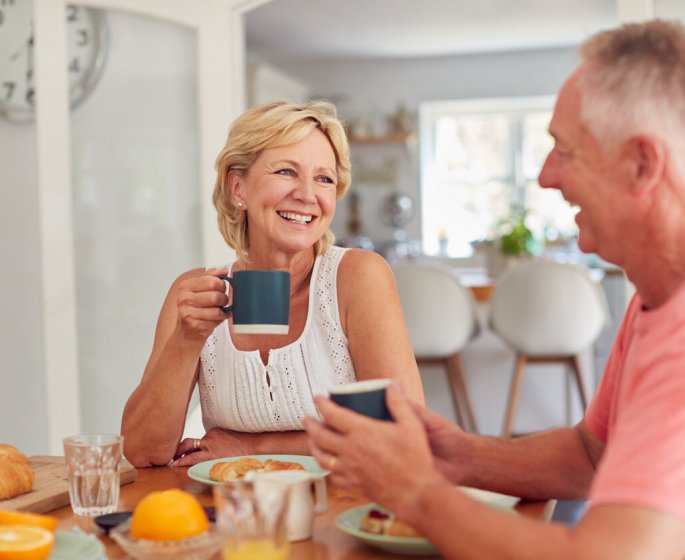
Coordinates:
x,y
86,48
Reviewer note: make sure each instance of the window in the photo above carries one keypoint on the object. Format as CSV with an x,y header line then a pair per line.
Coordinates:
x,y
480,159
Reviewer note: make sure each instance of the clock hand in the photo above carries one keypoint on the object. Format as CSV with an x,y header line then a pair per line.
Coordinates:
x,y
19,51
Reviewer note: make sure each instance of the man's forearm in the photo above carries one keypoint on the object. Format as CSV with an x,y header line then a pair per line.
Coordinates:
x,y
552,464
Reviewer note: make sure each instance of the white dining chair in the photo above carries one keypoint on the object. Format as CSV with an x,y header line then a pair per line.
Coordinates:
x,y
440,316
546,312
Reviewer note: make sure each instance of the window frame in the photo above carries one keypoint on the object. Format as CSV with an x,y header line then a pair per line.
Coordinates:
x,y
515,108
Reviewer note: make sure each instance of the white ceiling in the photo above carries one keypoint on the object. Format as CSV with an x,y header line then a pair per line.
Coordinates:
x,y
287,30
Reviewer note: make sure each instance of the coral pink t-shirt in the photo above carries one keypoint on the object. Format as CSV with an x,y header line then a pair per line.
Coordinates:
x,y
639,411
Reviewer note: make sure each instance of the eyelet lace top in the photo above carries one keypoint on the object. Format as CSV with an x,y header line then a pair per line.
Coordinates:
x,y
234,391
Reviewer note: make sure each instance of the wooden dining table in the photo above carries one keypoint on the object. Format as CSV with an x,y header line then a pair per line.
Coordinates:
x,y
327,542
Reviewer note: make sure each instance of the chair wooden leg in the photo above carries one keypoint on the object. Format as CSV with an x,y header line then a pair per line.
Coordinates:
x,y
455,396
514,394
460,390
580,379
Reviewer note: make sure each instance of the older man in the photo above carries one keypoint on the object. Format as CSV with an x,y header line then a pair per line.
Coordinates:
x,y
619,155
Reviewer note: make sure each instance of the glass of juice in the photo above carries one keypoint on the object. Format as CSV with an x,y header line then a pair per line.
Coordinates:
x,y
251,520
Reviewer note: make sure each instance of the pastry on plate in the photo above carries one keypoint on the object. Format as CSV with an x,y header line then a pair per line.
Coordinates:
x,y
379,522
225,471
271,465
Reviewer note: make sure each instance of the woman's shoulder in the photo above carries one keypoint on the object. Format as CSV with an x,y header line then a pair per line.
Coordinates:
x,y
364,270
361,260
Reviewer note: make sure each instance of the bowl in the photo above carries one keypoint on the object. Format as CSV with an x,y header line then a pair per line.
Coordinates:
x,y
199,547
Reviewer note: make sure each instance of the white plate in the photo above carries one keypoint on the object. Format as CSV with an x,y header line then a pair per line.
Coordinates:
x,y
200,472
348,522
76,545
494,499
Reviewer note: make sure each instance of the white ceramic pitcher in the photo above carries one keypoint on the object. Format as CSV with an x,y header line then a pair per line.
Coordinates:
x,y
303,504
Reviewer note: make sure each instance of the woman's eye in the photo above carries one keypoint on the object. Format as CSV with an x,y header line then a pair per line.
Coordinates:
x,y
327,180
285,172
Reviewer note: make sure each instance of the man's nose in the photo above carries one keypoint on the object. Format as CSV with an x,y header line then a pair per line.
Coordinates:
x,y
548,178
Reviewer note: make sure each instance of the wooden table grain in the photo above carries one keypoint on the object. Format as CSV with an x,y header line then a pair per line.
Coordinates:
x,y
327,542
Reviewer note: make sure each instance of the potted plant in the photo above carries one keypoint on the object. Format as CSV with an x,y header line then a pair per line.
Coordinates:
x,y
512,240
514,237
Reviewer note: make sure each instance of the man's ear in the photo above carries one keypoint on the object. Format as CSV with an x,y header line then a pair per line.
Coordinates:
x,y
647,157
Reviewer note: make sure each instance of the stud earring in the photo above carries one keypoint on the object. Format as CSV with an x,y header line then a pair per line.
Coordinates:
x,y
239,205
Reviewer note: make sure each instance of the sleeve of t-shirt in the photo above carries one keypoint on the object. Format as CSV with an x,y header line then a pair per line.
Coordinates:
x,y
644,461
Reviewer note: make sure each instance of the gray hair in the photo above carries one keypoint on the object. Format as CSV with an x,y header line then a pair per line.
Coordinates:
x,y
635,84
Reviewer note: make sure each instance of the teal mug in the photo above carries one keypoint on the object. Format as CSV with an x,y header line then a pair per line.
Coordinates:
x,y
261,301
365,397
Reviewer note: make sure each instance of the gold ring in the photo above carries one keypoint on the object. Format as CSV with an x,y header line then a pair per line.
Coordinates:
x,y
196,444
331,463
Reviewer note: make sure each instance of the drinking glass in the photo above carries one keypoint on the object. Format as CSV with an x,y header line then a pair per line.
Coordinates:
x,y
93,469
251,519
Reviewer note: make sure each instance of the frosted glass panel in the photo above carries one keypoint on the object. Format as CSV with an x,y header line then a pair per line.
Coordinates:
x,y
22,375
136,203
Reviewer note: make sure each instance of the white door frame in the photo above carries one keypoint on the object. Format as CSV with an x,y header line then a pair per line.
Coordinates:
x,y
221,86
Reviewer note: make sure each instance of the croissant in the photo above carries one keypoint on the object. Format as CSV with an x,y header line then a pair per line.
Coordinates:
x,y
271,465
233,470
16,475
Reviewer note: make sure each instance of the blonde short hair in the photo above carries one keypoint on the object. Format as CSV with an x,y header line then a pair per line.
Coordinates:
x,y
273,125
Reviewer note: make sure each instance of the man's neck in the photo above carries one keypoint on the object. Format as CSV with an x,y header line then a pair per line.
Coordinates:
x,y
657,282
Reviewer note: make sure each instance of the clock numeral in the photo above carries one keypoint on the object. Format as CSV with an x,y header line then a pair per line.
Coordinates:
x,y
4,4
72,13
75,65
82,37
30,96
9,87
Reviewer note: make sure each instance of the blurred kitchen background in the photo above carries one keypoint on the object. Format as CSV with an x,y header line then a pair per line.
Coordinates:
x,y
446,103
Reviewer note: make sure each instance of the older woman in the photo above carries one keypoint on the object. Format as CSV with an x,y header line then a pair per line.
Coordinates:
x,y
279,176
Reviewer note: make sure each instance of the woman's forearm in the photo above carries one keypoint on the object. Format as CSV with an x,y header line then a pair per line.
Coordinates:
x,y
154,415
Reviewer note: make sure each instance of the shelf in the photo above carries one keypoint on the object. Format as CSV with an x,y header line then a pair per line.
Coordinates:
x,y
402,138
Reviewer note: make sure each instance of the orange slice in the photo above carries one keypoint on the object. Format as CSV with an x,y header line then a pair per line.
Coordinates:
x,y
24,518
25,542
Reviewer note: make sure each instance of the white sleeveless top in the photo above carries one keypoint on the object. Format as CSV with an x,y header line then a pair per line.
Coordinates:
x,y
234,392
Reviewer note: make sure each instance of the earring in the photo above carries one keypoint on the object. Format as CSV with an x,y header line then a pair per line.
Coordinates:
x,y
239,205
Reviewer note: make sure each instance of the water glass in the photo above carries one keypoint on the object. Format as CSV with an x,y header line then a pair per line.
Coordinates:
x,y
251,519
93,471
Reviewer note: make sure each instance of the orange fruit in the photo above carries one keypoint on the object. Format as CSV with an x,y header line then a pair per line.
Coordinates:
x,y
25,542
168,515
24,518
